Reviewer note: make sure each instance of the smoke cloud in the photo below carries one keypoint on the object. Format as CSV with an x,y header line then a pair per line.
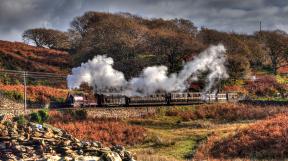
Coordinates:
x,y
100,75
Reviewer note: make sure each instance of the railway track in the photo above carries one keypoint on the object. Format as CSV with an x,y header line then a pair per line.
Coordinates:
x,y
131,111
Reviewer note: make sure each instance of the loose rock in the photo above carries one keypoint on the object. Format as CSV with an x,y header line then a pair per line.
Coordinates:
x,y
34,142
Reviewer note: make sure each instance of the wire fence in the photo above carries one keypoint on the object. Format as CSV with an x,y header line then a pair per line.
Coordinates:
x,y
21,80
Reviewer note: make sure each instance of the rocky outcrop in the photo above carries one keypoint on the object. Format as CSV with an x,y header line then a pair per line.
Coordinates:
x,y
29,141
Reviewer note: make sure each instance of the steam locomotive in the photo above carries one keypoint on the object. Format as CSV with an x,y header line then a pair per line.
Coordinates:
x,y
180,98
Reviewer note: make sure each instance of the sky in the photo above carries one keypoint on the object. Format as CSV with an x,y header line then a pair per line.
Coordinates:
x,y
242,16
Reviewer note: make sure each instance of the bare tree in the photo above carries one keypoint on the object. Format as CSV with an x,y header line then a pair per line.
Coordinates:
x,y
276,43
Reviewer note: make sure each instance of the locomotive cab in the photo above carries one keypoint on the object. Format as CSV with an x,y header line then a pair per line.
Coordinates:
x,y
73,100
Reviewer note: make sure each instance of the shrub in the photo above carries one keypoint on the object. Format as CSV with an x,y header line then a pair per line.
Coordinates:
x,y
35,117
20,120
7,123
39,117
43,115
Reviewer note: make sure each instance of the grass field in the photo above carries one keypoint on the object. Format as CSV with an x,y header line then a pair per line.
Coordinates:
x,y
177,133
171,138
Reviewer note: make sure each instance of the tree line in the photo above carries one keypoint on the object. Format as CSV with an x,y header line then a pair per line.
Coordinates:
x,y
135,42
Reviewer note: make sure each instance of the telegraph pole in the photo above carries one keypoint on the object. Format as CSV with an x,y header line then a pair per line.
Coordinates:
x,y
25,91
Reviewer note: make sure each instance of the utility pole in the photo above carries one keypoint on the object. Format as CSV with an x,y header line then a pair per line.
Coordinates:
x,y
25,91
260,26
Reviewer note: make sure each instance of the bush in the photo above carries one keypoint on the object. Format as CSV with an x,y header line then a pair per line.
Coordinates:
x,y
35,117
7,123
39,117
20,120
44,115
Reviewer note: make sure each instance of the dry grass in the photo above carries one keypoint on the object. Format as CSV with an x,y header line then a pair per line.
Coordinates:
x,y
16,55
168,138
38,93
107,131
227,112
265,139
148,157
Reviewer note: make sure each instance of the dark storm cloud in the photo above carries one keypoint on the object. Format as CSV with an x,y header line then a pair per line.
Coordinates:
x,y
18,15
226,15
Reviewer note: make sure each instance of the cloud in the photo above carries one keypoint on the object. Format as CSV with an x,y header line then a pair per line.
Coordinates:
x,y
226,15
17,16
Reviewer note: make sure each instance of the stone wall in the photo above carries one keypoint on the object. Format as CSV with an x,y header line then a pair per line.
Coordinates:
x,y
123,112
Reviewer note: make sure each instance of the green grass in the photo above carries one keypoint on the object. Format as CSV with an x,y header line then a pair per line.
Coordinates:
x,y
161,121
173,139
184,148
169,143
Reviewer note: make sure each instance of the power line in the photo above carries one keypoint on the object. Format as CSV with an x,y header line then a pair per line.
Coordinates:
x,y
33,74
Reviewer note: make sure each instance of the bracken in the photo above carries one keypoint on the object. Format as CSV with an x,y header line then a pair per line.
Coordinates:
x,y
227,112
265,139
107,131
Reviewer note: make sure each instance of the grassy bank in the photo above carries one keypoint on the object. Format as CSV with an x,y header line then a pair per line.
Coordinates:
x,y
169,133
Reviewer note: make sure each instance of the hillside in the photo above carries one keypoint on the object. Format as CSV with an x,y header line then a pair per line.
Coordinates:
x,y
19,56
264,139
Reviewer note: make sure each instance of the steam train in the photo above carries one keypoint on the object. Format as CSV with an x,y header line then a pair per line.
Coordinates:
x,y
183,98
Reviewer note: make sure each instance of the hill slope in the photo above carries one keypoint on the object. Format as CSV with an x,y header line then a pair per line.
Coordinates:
x,y
19,56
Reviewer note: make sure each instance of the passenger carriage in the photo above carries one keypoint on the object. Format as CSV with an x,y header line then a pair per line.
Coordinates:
x,y
174,98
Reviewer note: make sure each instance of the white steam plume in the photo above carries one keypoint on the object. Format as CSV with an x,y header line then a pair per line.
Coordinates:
x,y
100,74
